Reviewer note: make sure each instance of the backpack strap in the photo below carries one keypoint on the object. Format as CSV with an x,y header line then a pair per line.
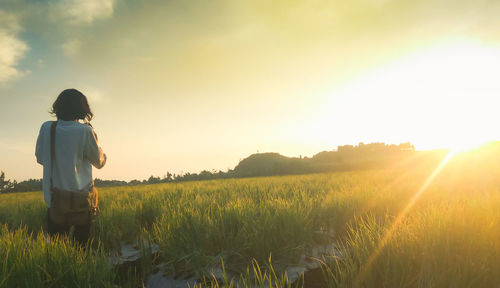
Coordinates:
x,y
52,150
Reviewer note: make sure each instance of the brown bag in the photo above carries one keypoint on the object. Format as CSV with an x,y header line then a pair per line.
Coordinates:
x,y
70,207
73,208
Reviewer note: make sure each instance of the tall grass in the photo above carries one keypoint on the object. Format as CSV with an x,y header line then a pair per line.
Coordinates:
x,y
26,209
256,275
29,260
201,225
440,246
449,237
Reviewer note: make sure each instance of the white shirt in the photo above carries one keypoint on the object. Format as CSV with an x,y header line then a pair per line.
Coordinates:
x,y
76,148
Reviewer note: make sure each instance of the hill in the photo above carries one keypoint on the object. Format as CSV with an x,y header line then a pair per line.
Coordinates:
x,y
347,157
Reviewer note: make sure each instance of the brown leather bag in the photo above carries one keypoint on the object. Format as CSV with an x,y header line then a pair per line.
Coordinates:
x,y
70,207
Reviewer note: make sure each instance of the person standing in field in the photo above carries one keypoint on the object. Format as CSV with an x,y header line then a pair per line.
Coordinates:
x,y
67,149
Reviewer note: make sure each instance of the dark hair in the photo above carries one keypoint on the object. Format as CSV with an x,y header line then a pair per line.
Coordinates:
x,y
71,105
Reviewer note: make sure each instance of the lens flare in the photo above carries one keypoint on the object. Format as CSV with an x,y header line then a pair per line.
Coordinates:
x,y
399,219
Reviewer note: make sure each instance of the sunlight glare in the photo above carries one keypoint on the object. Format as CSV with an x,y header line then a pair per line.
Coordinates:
x,y
399,219
444,96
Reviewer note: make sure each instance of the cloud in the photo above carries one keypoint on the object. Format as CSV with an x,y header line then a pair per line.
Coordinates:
x,y
78,12
71,47
12,49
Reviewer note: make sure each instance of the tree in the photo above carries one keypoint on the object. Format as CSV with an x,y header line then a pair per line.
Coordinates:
x,y
169,177
5,185
2,181
153,180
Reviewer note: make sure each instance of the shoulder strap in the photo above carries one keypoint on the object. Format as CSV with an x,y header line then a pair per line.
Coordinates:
x,y
52,150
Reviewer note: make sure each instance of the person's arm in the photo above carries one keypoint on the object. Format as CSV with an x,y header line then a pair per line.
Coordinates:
x,y
92,151
39,147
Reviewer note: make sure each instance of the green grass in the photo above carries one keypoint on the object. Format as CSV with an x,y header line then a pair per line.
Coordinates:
x,y
450,237
29,260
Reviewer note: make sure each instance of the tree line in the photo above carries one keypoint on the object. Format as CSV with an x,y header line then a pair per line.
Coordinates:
x,y
346,157
8,186
12,186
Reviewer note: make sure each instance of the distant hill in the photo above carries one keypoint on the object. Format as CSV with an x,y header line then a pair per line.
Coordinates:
x,y
346,157
267,164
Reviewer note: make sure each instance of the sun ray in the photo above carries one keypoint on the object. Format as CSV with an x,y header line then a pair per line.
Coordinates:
x,y
388,235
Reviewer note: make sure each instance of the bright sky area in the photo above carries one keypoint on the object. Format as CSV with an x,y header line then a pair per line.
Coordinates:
x,y
183,86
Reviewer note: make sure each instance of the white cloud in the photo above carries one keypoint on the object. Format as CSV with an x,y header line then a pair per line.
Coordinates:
x,y
82,11
12,48
71,47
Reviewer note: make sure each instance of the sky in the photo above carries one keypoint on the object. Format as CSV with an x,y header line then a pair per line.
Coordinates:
x,y
183,86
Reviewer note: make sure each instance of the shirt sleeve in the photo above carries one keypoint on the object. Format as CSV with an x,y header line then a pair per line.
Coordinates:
x,y
92,151
39,147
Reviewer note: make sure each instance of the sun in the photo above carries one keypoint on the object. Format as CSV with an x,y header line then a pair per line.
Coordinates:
x,y
466,145
440,97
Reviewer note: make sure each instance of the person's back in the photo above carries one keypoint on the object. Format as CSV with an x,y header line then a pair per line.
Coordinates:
x,y
76,149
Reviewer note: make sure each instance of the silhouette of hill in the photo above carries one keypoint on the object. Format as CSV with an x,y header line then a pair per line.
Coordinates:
x,y
345,158
267,164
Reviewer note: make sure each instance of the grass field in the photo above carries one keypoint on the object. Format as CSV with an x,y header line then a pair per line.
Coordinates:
x,y
414,225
